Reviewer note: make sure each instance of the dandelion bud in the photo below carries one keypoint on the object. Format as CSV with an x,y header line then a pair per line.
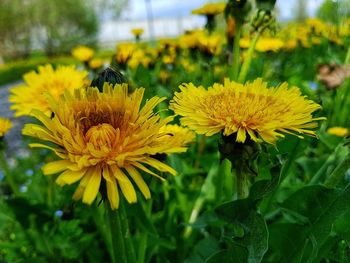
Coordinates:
x,y
267,5
110,75
238,9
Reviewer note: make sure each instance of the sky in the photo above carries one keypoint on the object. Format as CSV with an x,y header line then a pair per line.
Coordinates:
x,y
181,8
173,17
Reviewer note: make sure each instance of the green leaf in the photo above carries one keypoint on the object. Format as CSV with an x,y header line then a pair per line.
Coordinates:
x,y
323,211
202,250
236,254
263,188
255,238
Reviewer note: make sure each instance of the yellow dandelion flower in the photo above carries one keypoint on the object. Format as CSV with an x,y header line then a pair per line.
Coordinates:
x,y
251,109
5,125
210,9
124,52
95,63
83,53
137,31
32,94
139,57
210,44
338,131
168,59
264,44
291,44
269,44
164,75
177,136
190,40
105,135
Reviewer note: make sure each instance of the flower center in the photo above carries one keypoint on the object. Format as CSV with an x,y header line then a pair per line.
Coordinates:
x,y
101,136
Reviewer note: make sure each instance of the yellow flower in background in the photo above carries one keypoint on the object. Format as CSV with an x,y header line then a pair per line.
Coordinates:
x,y
83,53
5,126
124,52
190,39
291,44
95,63
169,59
187,65
269,44
137,31
244,42
210,9
139,57
338,131
250,109
210,44
106,138
164,75
263,44
177,136
33,93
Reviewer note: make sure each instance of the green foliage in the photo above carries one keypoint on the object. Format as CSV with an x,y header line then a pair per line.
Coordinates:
x,y
63,25
66,24
14,71
334,11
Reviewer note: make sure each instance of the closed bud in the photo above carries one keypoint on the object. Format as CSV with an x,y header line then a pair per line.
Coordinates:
x,y
238,9
109,75
266,5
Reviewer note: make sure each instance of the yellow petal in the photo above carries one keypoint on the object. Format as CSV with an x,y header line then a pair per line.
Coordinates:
x,y
125,185
55,167
135,175
93,186
241,135
112,193
159,165
78,194
69,177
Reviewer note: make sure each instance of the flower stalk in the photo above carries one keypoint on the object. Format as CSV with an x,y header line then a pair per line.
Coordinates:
x,y
236,52
242,183
113,218
248,60
338,174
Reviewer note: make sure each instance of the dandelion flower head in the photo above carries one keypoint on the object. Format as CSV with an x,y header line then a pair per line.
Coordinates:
x,y
104,139
32,94
250,109
83,53
5,126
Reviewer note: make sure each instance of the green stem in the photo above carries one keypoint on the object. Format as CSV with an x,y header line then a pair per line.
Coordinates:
x,y
8,178
129,246
347,58
246,64
194,215
316,178
242,187
338,174
116,234
236,52
144,236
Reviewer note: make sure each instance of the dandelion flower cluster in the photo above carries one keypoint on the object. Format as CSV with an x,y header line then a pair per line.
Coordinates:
x,y
32,94
251,109
83,53
338,131
137,31
5,126
95,63
210,9
104,139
